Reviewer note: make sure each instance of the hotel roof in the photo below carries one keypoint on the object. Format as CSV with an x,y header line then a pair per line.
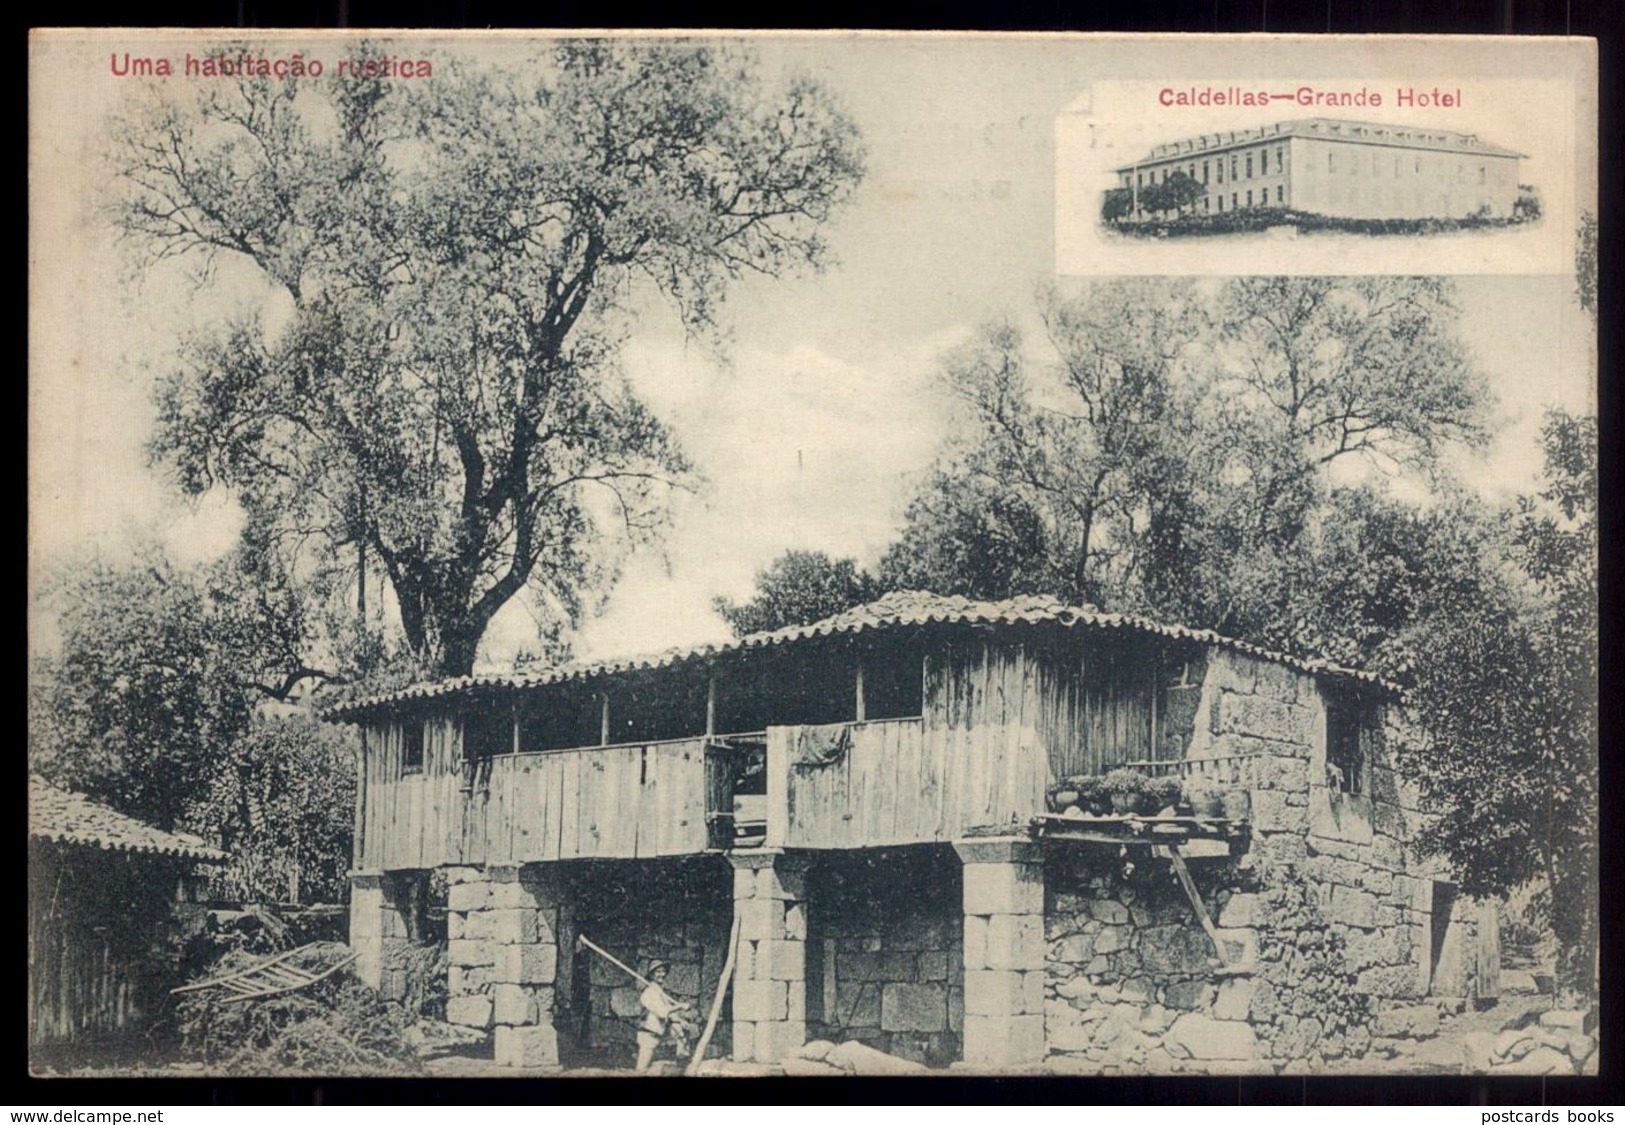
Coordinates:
x,y
1324,128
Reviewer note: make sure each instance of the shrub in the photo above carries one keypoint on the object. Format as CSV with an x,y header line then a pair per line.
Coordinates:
x,y
337,1026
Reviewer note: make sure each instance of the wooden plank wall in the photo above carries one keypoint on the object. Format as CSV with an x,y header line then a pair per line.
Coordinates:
x,y
973,759
1095,707
616,802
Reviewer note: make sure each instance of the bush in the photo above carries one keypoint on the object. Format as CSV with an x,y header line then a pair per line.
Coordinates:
x,y
1253,219
337,1026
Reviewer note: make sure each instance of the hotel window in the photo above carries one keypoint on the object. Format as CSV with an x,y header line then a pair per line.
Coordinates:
x,y
1331,161
1280,194
1219,164
1232,167
1280,158
1139,179
1418,168
1204,171
1204,203
1249,165
1233,203
1249,197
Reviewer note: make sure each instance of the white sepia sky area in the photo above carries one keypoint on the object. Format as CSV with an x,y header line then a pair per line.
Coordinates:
x,y
821,411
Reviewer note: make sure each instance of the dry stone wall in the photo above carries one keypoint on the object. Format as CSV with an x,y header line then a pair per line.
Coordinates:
x,y
1328,909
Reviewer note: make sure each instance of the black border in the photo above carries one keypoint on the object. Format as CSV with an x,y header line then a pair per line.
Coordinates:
x,y
1602,19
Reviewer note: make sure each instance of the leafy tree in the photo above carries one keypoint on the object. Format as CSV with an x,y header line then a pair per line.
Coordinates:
x,y
1506,696
152,703
157,670
1057,446
1116,205
963,536
1181,192
795,588
460,260
281,801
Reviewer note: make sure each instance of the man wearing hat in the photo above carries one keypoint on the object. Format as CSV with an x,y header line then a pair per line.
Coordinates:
x,y
659,1012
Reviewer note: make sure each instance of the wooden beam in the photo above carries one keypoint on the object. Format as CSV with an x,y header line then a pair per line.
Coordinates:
x,y
861,702
1177,862
710,701
603,719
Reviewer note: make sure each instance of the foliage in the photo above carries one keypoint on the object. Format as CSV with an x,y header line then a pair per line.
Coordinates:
x,y
1506,697
152,704
439,395
795,588
1116,204
1585,263
158,669
1169,449
337,1026
1243,220
281,801
1124,782
1527,207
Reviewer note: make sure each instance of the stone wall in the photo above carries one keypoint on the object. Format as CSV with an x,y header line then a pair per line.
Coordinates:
x,y
679,911
1131,986
1329,910
884,962
509,937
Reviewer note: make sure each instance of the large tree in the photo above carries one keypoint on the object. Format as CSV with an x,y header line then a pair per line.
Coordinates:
x,y
797,587
452,265
1169,448
1505,692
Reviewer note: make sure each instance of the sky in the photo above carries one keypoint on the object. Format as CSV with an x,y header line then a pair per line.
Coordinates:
x,y
821,409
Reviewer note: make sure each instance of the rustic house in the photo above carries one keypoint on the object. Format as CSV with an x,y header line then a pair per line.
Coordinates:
x,y
876,799
107,898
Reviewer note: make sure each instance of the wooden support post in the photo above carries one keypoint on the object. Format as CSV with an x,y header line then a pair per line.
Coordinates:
x,y
603,720
516,727
728,963
861,703
1177,862
710,702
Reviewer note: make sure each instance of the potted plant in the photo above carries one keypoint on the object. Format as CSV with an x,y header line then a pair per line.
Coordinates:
x,y
1063,795
1125,787
1204,797
1160,797
1238,803
1092,796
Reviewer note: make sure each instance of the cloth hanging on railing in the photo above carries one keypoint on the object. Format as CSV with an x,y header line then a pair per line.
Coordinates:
x,y
817,748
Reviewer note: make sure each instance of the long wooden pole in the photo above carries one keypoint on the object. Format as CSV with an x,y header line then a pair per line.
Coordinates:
x,y
581,939
698,1056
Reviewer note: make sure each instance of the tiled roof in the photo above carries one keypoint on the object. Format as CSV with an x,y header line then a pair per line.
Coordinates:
x,y
73,818
897,610
1326,128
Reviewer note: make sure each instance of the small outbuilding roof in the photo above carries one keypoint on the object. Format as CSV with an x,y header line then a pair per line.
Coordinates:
x,y
902,609
72,818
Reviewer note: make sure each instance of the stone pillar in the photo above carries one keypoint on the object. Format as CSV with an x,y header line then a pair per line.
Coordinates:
x,y
770,979
366,936
526,932
1004,951
507,947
